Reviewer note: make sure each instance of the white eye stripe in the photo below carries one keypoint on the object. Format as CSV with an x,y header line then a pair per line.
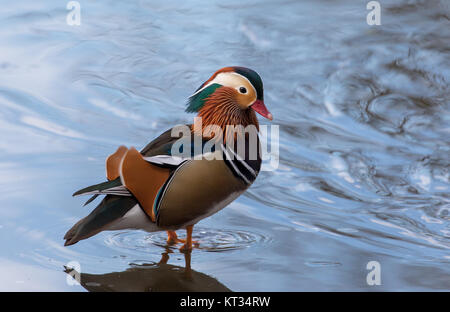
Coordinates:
x,y
228,79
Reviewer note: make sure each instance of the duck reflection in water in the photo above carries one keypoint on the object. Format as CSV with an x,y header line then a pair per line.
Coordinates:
x,y
152,277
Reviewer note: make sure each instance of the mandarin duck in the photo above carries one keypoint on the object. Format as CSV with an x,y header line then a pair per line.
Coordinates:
x,y
172,183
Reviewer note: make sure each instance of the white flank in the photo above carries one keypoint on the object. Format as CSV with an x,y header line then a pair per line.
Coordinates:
x,y
135,218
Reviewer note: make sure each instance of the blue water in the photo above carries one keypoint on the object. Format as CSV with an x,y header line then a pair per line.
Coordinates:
x,y
364,140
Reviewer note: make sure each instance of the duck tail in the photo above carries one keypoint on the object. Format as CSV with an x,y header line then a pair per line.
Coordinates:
x,y
109,210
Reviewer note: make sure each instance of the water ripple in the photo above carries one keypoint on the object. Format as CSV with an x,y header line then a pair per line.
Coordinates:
x,y
209,240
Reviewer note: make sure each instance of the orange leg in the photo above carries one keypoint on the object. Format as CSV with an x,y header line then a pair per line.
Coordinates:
x,y
172,237
188,244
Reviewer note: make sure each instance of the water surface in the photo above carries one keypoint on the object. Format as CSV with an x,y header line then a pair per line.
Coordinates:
x,y
364,141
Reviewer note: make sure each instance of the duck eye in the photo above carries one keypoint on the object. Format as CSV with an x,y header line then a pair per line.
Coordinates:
x,y
243,90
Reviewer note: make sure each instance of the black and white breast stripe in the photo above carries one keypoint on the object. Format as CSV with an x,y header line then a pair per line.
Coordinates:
x,y
244,169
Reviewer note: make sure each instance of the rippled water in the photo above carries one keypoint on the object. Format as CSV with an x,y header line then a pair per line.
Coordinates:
x,y
364,141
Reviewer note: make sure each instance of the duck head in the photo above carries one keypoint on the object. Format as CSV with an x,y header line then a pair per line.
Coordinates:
x,y
230,97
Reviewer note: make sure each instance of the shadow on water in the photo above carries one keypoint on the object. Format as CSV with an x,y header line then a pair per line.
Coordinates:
x,y
151,277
